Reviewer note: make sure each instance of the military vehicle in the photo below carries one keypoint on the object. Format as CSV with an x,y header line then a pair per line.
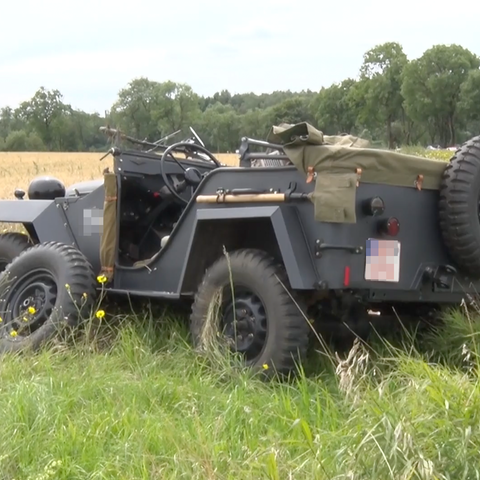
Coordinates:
x,y
306,227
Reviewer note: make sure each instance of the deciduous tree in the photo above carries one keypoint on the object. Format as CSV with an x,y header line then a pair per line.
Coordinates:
x,y
432,86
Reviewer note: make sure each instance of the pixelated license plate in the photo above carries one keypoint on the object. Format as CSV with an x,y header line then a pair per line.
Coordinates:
x,y
382,262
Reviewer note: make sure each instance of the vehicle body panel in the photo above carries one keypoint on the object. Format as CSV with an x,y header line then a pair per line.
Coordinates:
x,y
85,216
21,211
46,218
197,237
419,236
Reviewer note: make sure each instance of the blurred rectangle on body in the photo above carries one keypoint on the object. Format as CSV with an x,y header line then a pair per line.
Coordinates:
x,y
382,262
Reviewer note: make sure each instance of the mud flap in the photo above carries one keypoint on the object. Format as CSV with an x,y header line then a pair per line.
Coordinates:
x,y
108,242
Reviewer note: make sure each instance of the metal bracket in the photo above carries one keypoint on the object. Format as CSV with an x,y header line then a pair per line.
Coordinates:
x,y
246,156
442,277
320,246
419,182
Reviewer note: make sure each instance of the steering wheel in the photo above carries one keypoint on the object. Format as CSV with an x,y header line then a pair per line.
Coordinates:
x,y
167,153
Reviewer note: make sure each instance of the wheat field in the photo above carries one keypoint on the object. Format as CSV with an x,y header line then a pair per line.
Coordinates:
x,y
17,169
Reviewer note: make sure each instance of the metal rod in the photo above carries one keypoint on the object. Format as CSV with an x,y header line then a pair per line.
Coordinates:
x,y
261,143
250,198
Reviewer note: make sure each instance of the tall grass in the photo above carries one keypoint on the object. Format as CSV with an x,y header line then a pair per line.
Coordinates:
x,y
134,401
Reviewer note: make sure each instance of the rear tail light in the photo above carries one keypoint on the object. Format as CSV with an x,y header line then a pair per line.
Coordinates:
x,y
390,226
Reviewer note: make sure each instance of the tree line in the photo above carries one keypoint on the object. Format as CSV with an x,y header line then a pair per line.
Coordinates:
x,y
393,101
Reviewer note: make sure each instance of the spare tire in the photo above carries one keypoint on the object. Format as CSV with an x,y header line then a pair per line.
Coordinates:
x,y
47,288
459,209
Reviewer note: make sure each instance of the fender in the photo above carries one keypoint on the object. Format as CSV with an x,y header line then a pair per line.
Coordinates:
x,y
44,219
296,255
83,188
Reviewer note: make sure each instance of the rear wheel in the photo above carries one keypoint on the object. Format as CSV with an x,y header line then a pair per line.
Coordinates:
x,y
259,318
47,288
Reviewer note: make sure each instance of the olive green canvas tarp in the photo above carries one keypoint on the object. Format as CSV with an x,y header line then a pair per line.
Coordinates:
x,y
334,198
339,167
301,133
109,232
377,166
347,140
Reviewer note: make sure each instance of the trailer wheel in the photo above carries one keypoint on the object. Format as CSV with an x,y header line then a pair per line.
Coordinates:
x,y
459,208
12,244
269,330
43,291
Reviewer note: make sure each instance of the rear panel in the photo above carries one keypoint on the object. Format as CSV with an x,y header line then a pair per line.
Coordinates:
x,y
425,270
420,247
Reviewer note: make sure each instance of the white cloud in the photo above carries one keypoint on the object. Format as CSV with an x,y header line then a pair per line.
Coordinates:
x,y
77,75
90,50
111,61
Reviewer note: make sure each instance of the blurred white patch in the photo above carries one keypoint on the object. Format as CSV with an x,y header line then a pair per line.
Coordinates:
x,y
92,221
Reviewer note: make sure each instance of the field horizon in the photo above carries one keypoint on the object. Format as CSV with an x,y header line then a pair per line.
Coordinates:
x,y
17,169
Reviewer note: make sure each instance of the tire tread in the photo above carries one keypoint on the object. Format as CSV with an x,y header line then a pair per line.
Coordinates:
x,y
294,328
461,232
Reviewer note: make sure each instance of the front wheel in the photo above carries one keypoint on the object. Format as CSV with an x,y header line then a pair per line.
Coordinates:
x,y
257,313
45,289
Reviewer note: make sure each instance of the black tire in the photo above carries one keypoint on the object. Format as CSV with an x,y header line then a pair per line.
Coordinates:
x,y
69,290
459,207
281,331
12,244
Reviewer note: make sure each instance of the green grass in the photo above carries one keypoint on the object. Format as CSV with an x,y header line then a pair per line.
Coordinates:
x,y
135,402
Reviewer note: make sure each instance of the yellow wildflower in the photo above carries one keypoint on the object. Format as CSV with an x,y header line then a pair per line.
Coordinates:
x,y
84,295
13,333
1,319
25,319
67,286
100,314
265,366
31,310
101,279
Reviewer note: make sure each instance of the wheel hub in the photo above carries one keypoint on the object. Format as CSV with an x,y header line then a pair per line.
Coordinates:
x,y
29,303
245,323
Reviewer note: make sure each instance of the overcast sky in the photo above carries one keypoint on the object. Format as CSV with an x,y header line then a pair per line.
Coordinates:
x,y
89,49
